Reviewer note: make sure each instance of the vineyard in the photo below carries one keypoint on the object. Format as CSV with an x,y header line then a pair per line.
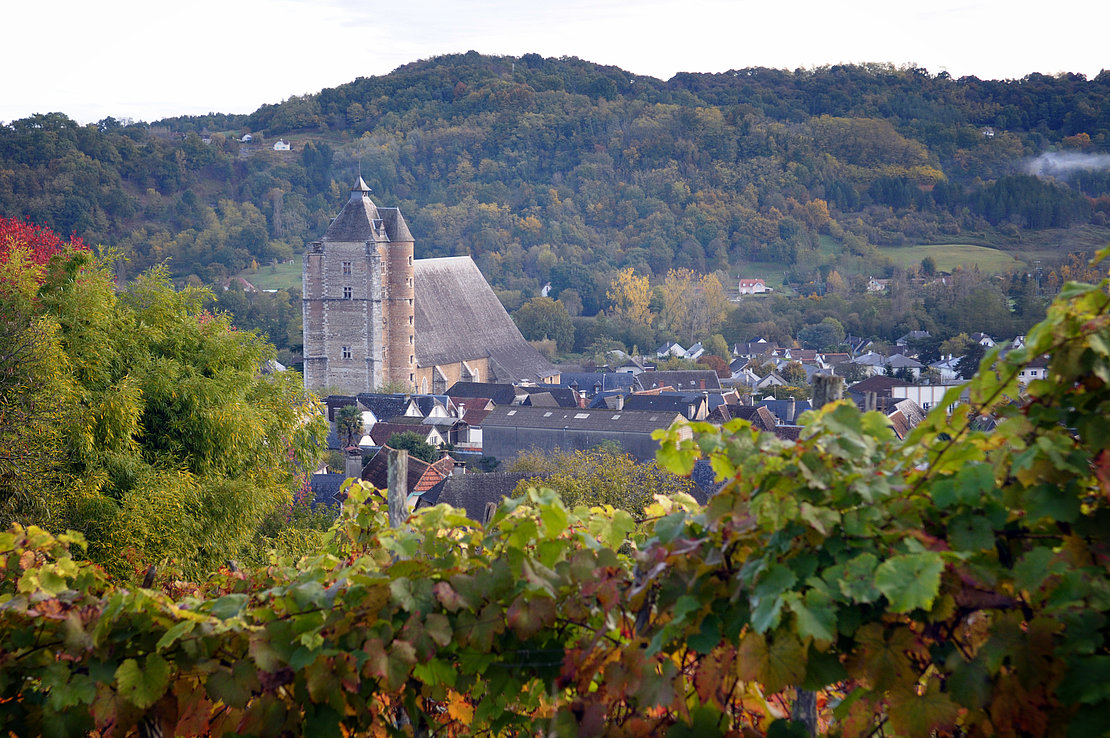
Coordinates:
x,y
957,584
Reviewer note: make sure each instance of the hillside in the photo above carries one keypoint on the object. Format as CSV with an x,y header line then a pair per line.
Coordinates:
x,y
528,163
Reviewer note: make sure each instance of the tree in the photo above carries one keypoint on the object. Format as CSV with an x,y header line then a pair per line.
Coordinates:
x,y
348,425
177,447
827,335
629,297
929,266
542,318
415,444
968,364
718,346
599,476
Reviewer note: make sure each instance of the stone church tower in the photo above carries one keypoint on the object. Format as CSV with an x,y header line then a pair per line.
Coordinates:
x,y
359,330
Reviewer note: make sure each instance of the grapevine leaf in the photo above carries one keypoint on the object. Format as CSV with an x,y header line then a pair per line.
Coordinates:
x,y
144,686
910,581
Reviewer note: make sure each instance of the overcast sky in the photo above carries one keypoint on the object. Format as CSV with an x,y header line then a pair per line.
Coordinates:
x,y
149,59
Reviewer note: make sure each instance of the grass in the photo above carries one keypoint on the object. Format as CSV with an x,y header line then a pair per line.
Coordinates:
x,y
951,255
281,277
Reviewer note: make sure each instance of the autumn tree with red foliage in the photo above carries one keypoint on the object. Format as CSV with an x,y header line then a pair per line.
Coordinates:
x,y
41,242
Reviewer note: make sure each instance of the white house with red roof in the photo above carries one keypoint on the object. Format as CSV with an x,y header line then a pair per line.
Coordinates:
x,y
753,287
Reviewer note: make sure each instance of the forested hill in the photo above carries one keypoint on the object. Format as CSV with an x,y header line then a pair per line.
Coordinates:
x,y
527,163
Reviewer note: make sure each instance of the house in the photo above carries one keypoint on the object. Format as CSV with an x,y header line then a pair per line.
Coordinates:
x,y
760,417
471,412
983,340
281,145
927,396
1035,369
904,416
898,362
477,494
508,431
786,411
633,366
247,138
753,287
911,337
692,406
692,379
670,348
589,384
874,393
695,352
877,285
380,433
500,393
422,476
946,367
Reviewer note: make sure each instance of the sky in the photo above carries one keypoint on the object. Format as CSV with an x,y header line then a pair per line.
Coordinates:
x,y
150,59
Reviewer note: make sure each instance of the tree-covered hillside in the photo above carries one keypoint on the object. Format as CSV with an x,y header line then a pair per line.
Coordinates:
x,y
527,163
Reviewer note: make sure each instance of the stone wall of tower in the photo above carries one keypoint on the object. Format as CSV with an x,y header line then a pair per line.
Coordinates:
x,y
342,313
398,325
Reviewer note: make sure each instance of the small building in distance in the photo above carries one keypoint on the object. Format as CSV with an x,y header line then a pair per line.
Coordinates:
x,y
753,287
281,145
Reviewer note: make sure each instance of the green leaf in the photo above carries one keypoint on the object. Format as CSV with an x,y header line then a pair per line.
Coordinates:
x,y
668,528
858,579
970,533
707,638
228,606
144,686
816,615
910,581
171,635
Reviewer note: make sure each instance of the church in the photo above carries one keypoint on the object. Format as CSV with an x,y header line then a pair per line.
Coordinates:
x,y
373,315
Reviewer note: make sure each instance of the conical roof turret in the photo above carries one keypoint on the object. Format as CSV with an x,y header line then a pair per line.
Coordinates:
x,y
356,221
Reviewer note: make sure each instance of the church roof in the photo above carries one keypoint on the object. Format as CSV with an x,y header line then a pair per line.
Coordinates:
x,y
360,220
459,318
356,221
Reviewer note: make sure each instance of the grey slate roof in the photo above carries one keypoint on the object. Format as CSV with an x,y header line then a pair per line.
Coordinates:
x,y
384,407
471,492
781,409
628,421
458,318
325,489
563,396
501,394
586,381
692,379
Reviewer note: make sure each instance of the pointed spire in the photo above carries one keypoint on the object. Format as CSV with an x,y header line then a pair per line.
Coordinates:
x,y
360,190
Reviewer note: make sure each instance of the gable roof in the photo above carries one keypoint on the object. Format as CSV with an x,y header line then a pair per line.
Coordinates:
x,y
878,384
472,492
383,406
422,476
459,318
586,381
625,421
325,488
697,379
563,396
501,394
381,433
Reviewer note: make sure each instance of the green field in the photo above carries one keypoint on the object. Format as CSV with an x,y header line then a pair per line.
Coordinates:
x,y
952,255
279,277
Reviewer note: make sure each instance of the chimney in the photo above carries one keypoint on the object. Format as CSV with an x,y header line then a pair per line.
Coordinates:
x,y
352,464
597,388
620,402
462,410
701,384
791,412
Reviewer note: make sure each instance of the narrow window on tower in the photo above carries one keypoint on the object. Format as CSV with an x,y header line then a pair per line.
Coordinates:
x,y
348,292
346,267
410,320
411,340
346,352
411,358
410,261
